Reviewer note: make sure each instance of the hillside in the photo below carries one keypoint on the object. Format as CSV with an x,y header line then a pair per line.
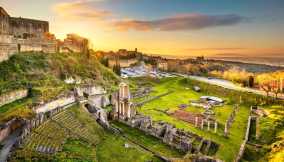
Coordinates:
x,y
75,136
45,75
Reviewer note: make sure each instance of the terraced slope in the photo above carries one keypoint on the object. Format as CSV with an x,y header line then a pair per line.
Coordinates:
x,y
73,136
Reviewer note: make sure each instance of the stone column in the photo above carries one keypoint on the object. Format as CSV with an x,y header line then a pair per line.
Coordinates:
x,y
122,92
281,84
226,129
196,121
129,111
116,106
208,125
216,126
121,109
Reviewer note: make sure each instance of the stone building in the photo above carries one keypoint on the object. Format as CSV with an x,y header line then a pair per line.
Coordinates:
x,y
74,43
22,34
124,108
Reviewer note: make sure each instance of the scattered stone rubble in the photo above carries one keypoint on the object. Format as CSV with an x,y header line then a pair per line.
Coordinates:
x,y
230,120
178,138
142,92
169,134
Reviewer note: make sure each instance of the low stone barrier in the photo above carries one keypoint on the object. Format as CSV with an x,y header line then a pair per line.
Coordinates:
x,y
153,98
61,101
177,138
12,96
230,120
242,148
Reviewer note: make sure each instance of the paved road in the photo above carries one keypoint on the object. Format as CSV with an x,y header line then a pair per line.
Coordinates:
x,y
8,144
228,84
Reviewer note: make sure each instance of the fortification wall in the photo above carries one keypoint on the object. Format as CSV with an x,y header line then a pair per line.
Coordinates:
x,y
26,28
4,24
13,96
23,35
10,46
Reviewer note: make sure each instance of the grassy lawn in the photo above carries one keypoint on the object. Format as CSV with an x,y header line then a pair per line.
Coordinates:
x,y
111,149
149,141
18,108
271,137
75,150
229,147
14,105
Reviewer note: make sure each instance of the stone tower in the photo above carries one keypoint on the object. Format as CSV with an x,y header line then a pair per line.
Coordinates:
x,y
124,108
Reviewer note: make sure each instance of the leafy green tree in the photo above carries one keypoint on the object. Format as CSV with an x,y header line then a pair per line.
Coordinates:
x,y
117,69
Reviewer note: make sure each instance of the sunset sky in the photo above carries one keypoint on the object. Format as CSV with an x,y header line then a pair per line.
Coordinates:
x,y
168,27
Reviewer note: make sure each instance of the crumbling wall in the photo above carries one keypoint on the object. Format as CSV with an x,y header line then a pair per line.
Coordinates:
x,y
180,139
74,43
61,101
89,90
23,35
27,28
12,96
7,128
99,100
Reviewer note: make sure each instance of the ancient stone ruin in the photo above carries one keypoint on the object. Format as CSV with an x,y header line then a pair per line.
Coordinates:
x,y
73,43
169,134
22,34
19,34
124,108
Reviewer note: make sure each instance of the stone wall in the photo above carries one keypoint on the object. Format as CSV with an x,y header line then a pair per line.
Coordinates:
x,y
61,101
7,50
13,96
74,43
180,139
25,28
243,145
99,101
89,90
7,128
23,35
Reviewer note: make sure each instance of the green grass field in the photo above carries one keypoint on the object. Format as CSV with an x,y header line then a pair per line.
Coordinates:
x,y
111,149
18,108
271,137
183,92
149,141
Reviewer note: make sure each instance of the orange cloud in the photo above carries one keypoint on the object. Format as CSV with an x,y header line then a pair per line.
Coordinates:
x,y
216,49
180,22
80,10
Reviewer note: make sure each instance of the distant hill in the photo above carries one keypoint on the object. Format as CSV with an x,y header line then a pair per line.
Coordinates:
x,y
249,66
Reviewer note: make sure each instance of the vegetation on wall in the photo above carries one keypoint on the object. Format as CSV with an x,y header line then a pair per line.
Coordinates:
x,y
44,74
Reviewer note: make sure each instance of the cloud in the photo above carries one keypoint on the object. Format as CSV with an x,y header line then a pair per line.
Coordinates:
x,y
180,22
216,49
80,10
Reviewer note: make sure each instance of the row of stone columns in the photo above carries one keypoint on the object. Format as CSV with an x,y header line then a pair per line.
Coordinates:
x,y
203,122
124,109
